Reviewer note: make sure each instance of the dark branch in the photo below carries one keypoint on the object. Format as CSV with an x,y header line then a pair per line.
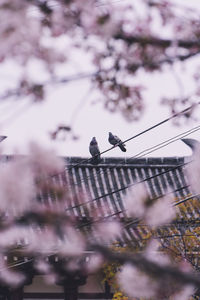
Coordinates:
x,y
149,267
144,40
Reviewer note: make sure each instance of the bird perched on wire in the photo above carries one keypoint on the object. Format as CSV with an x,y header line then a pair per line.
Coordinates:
x,y
94,151
115,141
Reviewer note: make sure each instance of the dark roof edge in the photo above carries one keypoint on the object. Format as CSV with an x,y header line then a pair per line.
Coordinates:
x,y
126,161
83,161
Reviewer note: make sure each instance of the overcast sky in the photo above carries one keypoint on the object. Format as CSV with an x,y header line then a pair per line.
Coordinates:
x,y
22,122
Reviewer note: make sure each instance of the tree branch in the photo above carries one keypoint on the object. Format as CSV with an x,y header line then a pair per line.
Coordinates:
x,y
163,43
149,267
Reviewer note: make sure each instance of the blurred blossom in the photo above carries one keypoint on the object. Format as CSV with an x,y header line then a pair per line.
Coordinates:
x,y
8,276
185,294
193,171
135,200
42,241
160,212
13,236
153,253
94,262
185,265
44,161
19,33
73,265
42,266
73,243
51,279
135,283
108,231
13,278
16,187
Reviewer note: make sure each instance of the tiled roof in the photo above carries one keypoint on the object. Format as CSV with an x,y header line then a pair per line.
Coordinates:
x,y
105,185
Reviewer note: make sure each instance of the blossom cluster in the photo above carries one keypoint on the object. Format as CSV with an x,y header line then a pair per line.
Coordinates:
x,y
120,41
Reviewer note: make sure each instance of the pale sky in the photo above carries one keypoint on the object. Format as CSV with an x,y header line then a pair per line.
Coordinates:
x,y
34,122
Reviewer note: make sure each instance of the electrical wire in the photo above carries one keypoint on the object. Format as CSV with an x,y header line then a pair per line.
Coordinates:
x,y
127,186
135,221
130,185
138,134
139,154
145,152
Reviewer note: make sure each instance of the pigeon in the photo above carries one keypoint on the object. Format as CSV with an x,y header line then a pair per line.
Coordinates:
x,y
94,151
115,141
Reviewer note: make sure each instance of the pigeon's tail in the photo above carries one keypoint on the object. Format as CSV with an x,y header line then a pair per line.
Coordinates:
x,y
122,147
95,160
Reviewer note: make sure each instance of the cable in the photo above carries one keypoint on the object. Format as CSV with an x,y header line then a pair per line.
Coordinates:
x,y
146,151
186,199
138,134
89,223
140,225
126,187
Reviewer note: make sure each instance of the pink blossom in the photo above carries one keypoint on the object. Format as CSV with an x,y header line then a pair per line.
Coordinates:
x,y
94,262
161,212
108,231
44,161
42,266
9,276
16,187
185,293
135,200
193,170
13,236
72,244
13,278
154,254
136,284
51,279
42,241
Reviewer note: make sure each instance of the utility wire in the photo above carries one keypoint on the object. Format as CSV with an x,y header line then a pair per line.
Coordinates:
x,y
146,151
135,221
128,186
138,134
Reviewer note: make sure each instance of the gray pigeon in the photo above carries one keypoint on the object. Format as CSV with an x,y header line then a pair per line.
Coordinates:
x,y
115,141
94,151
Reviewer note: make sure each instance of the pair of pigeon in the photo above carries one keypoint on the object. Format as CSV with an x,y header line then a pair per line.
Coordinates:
x,y
94,148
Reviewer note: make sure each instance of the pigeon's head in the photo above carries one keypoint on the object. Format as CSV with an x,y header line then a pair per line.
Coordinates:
x,y
110,135
93,141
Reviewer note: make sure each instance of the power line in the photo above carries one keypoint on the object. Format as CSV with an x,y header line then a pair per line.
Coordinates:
x,y
147,151
135,221
186,199
127,186
138,134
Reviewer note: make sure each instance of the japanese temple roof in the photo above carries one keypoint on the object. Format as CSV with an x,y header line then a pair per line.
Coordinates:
x,y
105,185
